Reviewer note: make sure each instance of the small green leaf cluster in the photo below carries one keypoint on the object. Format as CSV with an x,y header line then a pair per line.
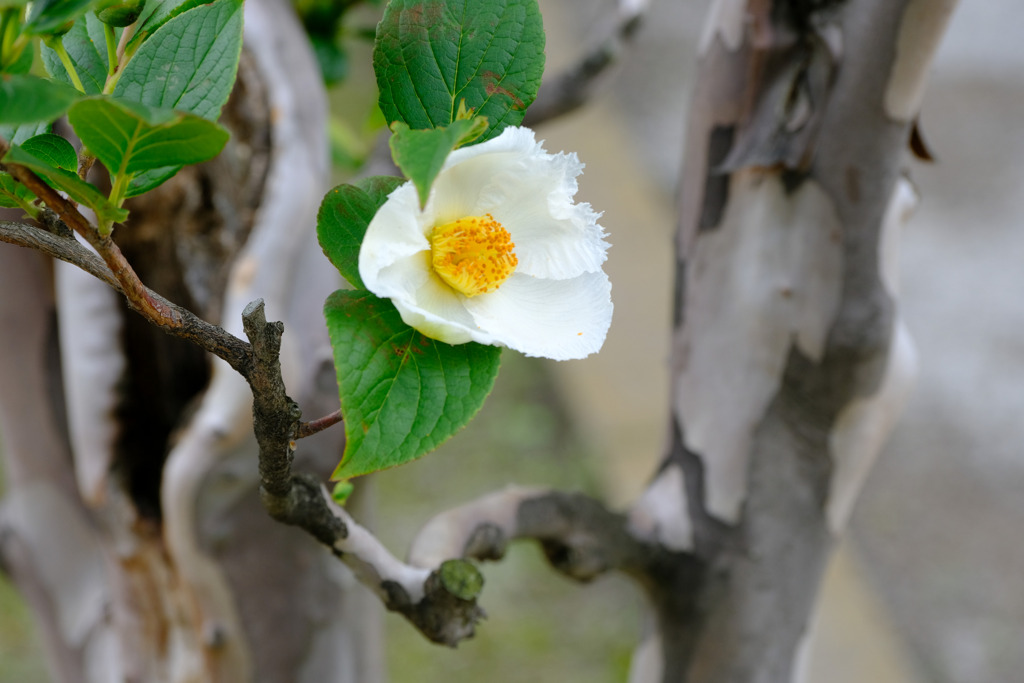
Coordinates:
x,y
142,83
450,73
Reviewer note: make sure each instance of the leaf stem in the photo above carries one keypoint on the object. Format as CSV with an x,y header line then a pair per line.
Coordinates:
x,y
126,35
316,426
111,40
117,194
5,21
118,57
57,45
85,163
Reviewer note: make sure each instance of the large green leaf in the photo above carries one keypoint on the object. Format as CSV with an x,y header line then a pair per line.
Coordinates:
x,y
76,188
344,215
189,63
421,153
28,99
87,48
431,54
156,14
402,394
130,138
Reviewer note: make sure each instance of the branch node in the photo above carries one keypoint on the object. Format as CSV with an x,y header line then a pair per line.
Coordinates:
x,y
486,542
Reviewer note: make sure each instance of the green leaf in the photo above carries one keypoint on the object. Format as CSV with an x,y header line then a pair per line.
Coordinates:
x,y
54,150
156,14
344,215
148,180
23,63
421,153
11,191
87,48
28,99
130,138
402,394
190,62
18,134
79,190
51,16
431,54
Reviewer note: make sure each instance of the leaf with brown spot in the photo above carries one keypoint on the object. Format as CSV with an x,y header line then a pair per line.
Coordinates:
x,y
432,54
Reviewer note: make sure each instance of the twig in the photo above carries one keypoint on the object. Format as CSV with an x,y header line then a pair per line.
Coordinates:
x,y
581,537
318,425
571,89
139,297
441,603
190,327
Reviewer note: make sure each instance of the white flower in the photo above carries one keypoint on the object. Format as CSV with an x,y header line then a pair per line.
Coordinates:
x,y
500,254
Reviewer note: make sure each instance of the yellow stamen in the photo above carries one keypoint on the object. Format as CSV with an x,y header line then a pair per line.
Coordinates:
x,y
473,255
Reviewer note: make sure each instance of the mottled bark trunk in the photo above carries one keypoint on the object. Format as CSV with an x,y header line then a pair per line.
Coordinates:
x,y
790,361
132,521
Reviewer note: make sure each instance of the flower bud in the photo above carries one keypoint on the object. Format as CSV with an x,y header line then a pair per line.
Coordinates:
x,y
120,14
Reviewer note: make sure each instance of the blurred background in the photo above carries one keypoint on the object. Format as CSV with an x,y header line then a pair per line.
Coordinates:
x,y
929,585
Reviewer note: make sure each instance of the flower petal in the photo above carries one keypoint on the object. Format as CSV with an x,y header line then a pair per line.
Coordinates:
x,y
530,192
559,319
426,303
395,233
554,237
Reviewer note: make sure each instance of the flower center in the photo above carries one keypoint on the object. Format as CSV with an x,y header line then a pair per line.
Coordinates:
x,y
473,255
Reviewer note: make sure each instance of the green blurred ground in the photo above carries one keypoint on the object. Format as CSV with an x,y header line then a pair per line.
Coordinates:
x,y
21,657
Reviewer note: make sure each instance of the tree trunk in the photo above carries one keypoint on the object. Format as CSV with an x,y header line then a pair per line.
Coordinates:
x,y
132,522
789,357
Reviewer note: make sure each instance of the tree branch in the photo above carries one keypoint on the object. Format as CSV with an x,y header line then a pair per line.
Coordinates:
x,y
440,603
189,326
580,536
572,88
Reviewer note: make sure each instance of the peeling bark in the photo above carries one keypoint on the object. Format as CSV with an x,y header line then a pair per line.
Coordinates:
x,y
790,360
151,502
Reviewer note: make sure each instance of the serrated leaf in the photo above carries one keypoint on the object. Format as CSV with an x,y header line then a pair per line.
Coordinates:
x,y
158,13
28,99
87,48
130,138
69,182
431,54
402,394
49,16
344,215
421,153
204,44
148,180
54,150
